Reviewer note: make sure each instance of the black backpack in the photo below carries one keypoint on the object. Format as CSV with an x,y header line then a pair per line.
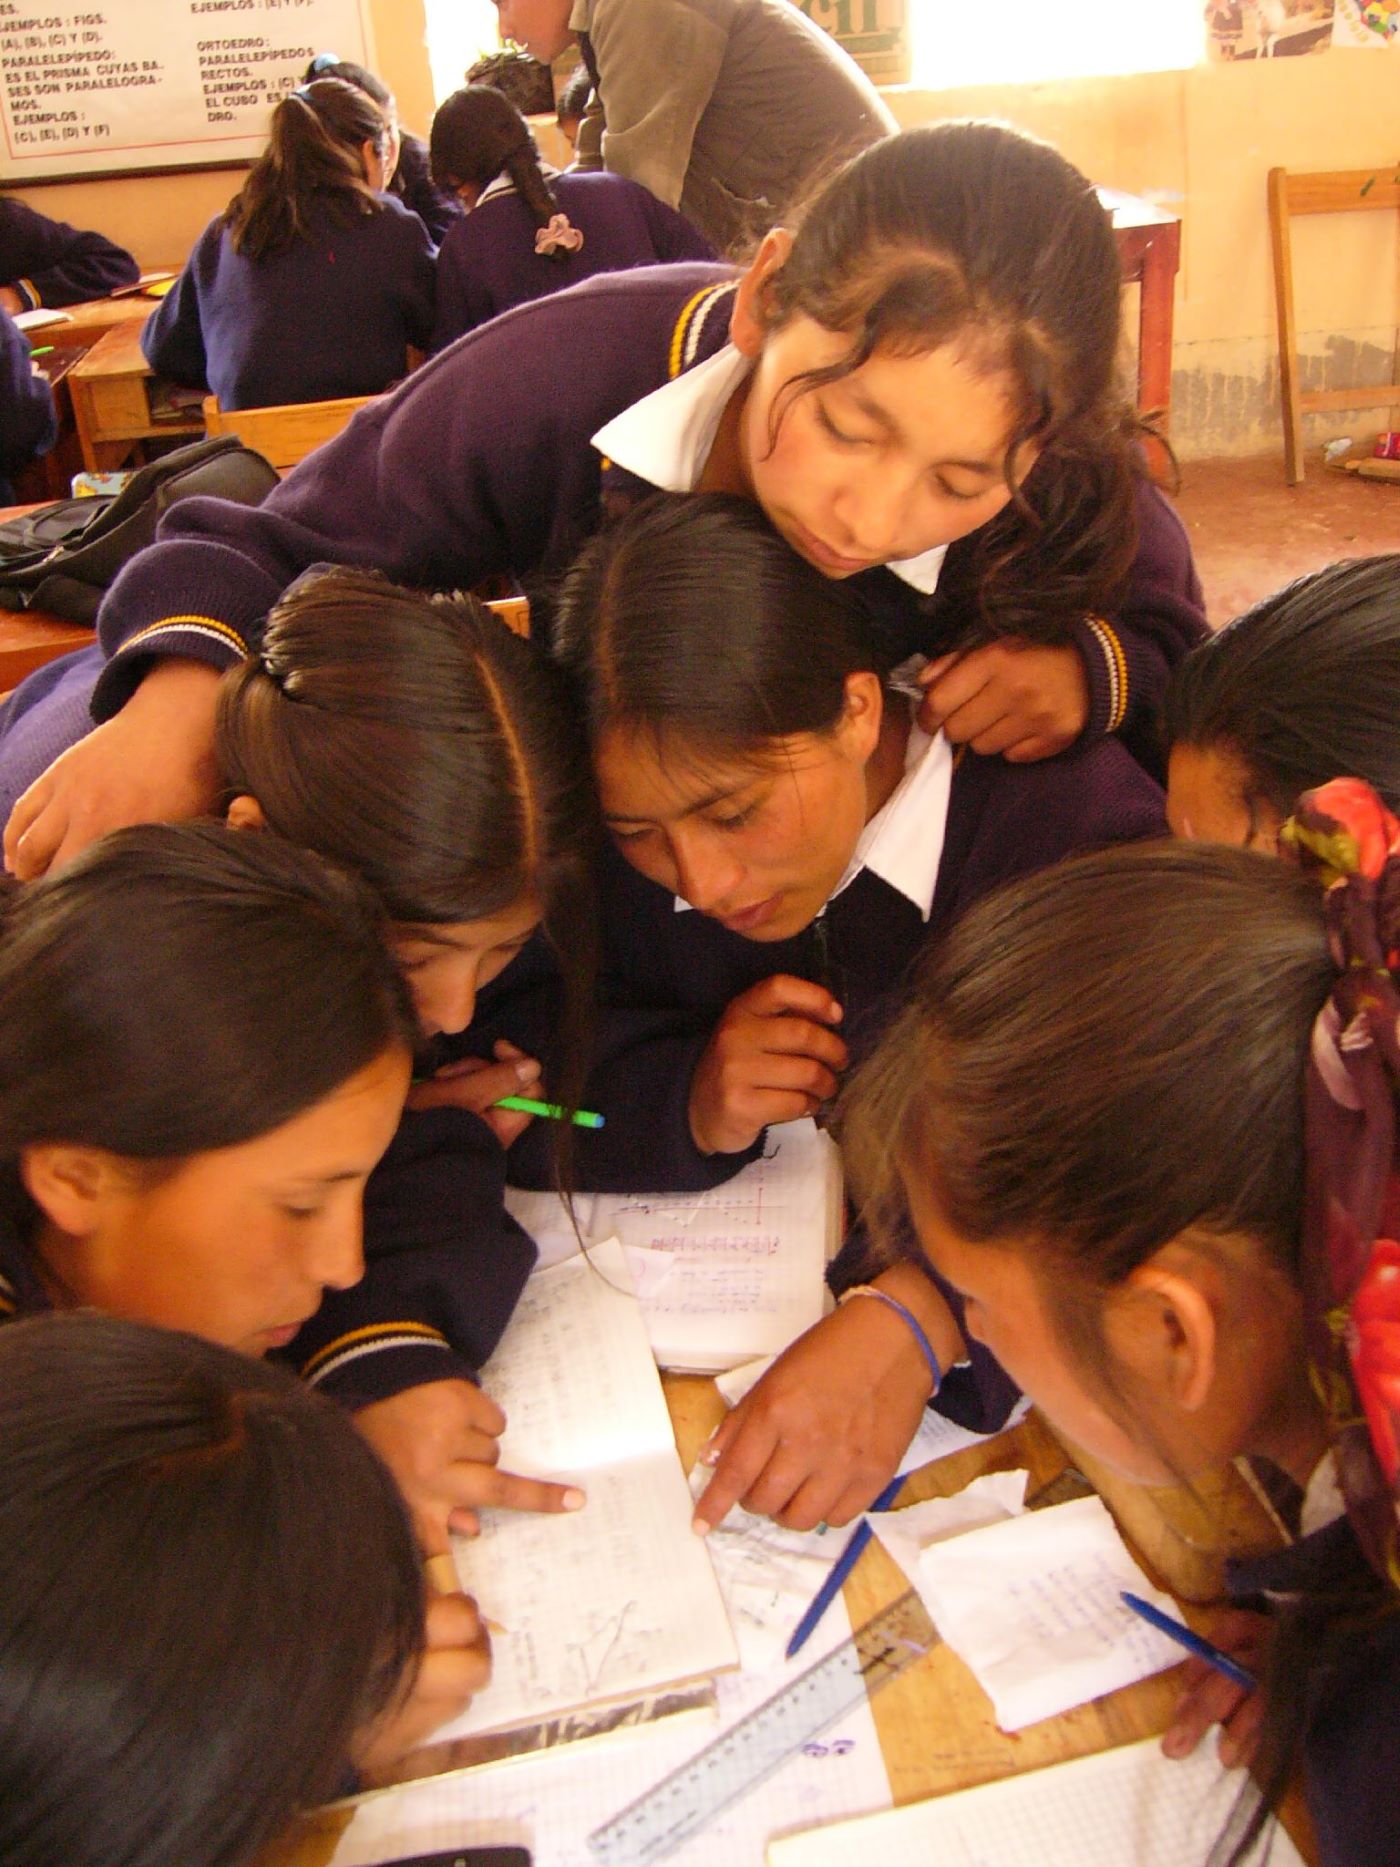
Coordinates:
x,y
62,557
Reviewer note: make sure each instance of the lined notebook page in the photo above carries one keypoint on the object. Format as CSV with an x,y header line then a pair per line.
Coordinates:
x,y
618,1599
1130,1807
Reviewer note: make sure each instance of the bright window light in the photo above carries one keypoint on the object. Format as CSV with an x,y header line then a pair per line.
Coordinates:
x,y
961,42
459,32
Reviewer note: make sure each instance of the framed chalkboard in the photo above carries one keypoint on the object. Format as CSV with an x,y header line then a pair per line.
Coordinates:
x,y
129,87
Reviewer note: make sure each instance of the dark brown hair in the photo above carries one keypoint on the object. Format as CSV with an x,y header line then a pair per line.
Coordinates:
x,y
312,160
1303,688
479,134
977,235
210,1585
691,620
182,987
1098,1060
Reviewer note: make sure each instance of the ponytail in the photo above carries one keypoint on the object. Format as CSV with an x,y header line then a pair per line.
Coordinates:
x,y
312,159
479,134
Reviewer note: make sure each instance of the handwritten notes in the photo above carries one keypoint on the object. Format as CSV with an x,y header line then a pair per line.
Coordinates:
x,y
1030,1601
722,1276
618,1599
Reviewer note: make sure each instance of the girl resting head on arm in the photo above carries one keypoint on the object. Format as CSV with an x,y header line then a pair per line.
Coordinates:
x,y
1302,688
1185,1253
212,1601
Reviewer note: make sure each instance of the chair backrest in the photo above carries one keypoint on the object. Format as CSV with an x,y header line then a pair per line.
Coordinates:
x,y
287,433
1329,191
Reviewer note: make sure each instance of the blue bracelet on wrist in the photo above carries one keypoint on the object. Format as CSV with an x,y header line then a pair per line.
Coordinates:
x,y
901,1309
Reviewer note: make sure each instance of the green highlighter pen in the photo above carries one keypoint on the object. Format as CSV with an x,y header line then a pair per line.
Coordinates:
x,y
554,1111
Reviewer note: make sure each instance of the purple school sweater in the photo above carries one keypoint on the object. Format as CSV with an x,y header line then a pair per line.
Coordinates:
x,y
332,314
50,263
488,261
28,422
481,463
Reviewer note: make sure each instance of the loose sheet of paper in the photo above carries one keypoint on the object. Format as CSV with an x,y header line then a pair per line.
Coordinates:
x,y
725,1275
1130,1807
1031,1603
617,1599
551,1803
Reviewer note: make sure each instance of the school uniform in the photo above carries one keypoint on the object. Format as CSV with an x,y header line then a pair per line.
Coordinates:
x,y
331,314
50,263
488,261
444,1267
412,183
1351,1737
500,456
28,420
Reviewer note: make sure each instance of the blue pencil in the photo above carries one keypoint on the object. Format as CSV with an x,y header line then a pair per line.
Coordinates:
x,y
1193,1642
840,1569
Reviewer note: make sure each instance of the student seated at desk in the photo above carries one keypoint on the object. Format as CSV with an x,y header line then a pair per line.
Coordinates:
x,y
406,159
210,1598
28,418
47,262
312,284
424,747
205,1050
953,284
1169,1210
528,230
1301,688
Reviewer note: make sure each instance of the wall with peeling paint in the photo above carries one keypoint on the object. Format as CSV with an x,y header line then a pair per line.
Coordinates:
x,y
1202,142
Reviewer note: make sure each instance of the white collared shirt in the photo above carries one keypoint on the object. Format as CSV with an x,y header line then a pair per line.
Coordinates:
x,y
903,842
665,439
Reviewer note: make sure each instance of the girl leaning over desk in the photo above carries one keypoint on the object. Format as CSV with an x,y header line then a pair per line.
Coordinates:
x,y
313,283
1187,1252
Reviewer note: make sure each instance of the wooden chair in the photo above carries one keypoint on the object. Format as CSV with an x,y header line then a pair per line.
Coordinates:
x,y
285,434
1331,191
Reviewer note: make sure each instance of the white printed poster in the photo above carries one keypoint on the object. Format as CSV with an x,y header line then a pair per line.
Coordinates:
x,y
98,87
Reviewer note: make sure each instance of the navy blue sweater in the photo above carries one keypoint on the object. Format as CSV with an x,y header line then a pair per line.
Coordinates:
x,y
481,464
488,261
50,263
28,423
332,314
1351,1737
412,183
444,1267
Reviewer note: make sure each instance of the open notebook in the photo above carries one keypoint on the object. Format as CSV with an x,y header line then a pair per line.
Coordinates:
x,y
723,1276
1130,1807
616,1602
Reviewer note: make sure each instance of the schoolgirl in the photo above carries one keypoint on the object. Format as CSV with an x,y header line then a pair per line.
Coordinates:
x,y
1185,1253
420,744
406,158
312,283
28,419
196,1552
47,262
529,230
917,386
787,841
1303,687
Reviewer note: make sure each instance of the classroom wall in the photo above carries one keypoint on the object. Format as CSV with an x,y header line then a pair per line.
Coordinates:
x,y
1199,141
159,217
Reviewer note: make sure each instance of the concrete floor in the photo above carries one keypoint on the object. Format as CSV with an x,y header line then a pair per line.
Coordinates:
x,y
1252,532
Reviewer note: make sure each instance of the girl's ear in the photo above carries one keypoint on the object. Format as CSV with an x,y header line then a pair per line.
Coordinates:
x,y
69,1184
1164,1323
748,324
859,726
246,813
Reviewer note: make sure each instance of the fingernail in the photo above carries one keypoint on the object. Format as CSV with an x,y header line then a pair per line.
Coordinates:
x,y
1174,1744
699,1526
710,1456
574,1499
526,1070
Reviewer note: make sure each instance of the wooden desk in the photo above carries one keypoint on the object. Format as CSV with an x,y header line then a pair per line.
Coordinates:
x,y
1149,251
935,1725
85,323
110,389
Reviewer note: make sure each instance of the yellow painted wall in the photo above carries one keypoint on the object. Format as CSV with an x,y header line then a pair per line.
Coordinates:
x,y
1199,141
